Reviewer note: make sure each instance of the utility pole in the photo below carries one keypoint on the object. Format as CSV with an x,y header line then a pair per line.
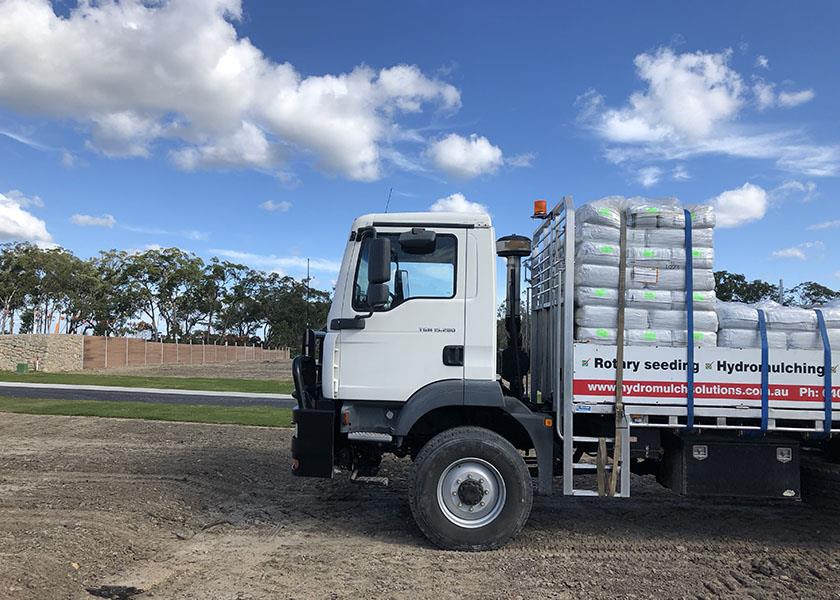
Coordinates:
x,y
307,292
781,291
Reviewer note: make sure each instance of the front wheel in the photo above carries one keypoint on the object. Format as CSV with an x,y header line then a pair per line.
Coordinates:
x,y
470,490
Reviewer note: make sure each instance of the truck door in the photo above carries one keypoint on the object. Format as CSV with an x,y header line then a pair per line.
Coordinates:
x,y
418,338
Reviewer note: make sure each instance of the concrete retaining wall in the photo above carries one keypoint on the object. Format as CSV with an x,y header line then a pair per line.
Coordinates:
x,y
51,353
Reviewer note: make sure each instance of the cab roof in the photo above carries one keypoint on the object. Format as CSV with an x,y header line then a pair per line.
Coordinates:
x,y
420,219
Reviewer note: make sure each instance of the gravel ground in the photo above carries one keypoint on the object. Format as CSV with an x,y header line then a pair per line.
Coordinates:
x,y
198,511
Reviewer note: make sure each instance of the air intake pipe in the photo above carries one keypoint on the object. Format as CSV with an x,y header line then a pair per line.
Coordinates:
x,y
514,363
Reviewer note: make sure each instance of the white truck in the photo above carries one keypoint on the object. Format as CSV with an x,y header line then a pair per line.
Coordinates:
x,y
408,365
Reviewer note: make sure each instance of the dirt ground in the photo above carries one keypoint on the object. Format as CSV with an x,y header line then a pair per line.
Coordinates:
x,y
212,512
240,370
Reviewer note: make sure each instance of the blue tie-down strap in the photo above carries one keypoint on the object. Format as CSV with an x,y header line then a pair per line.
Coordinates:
x,y
765,372
827,367
689,313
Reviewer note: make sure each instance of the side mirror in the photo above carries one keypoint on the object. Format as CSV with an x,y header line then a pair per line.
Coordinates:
x,y
379,260
418,241
377,295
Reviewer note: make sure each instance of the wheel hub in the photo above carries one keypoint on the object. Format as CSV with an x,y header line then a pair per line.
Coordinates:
x,y
471,492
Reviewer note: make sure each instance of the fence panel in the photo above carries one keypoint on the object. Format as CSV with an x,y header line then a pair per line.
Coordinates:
x,y
115,352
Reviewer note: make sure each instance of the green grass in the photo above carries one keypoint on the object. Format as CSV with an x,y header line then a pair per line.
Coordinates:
x,y
264,416
176,383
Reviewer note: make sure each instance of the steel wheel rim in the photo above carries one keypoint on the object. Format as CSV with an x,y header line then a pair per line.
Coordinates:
x,y
461,483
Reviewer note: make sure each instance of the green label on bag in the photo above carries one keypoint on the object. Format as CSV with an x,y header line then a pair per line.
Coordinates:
x,y
604,333
600,293
650,336
697,254
650,296
648,253
607,250
652,209
699,297
699,337
605,212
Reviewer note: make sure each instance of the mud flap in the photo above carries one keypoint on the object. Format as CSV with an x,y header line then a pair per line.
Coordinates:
x,y
313,444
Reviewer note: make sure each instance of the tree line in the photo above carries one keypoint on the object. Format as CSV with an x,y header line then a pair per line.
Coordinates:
x,y
162,294
734,287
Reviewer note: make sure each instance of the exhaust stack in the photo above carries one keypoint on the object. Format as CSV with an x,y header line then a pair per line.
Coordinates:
x,y
514,360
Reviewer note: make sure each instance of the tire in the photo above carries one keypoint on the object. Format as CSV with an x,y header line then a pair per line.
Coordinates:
x,y
440,495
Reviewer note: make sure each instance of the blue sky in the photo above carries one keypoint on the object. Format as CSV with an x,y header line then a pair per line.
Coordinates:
x,y
258,130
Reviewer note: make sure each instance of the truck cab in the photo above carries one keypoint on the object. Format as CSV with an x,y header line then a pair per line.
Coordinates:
x,y
410,351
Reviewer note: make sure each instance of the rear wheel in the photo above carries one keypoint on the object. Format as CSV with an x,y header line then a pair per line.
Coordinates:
x,y
470,490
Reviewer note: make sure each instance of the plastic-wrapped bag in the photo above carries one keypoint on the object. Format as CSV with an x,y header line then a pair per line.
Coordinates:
x,y
675,238
831,314
644,213
588,232
702,216
632,337
650,299
750,338
607,316
789,318
812,340
669,279
702,258
704,320
702,339
736,315
606,211
597,253
598,276
596,296
648,256
702,300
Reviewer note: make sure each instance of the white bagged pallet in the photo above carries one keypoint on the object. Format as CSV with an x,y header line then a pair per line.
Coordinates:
x,y
812,340
704,320
607,316
750,338
598,276
597,253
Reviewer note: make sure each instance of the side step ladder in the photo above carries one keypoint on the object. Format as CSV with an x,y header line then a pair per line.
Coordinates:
x,y
603,467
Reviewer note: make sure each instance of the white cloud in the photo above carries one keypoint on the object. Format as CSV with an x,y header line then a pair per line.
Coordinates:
x,y
765,94
649,176
762,62
190,234
800,252
19,225
680,173
272,206
25,201
457,203
790,187
91,221
740,206
789,99
131,73
834,224
522,160
465,158
692,105
278,263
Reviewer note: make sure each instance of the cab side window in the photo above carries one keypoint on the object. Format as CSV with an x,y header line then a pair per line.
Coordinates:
x,y
430,275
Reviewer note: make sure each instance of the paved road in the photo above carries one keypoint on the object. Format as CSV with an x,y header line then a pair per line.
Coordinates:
x,y
54,391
